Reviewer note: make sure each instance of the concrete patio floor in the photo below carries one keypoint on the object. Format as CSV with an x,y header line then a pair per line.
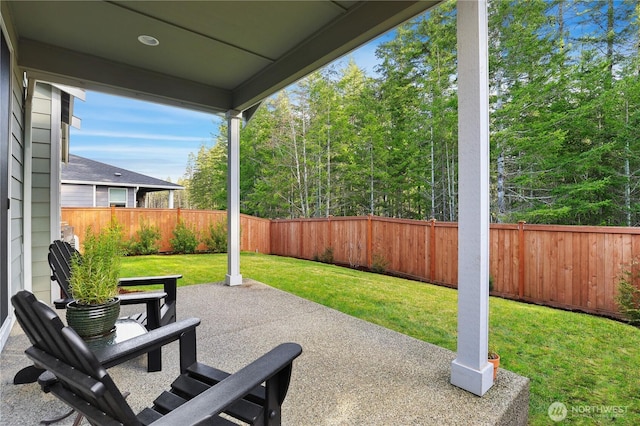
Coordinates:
x,y
351,372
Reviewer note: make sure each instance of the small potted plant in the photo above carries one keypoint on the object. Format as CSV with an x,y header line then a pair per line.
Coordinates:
x,y
494,358
94,283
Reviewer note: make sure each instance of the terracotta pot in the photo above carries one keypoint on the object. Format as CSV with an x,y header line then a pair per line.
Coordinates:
x,y
496,364
93,321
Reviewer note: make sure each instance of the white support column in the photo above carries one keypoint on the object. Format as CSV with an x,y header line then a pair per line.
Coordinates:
x,y
171,198
233,198
470,370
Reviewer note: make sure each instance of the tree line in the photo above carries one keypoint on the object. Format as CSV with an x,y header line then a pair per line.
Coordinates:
x,y
565,115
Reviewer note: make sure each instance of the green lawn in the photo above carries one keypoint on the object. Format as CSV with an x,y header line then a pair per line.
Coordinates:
x,y
586,362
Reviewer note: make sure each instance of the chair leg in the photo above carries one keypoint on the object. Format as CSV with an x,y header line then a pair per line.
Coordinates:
x,y
154,358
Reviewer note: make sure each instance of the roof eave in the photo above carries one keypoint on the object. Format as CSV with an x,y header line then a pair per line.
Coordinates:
x,y
88,72
120,184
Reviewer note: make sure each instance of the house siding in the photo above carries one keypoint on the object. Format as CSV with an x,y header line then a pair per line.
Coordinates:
x,y
78,195
102,196
73,195
16,185
41,190
12,251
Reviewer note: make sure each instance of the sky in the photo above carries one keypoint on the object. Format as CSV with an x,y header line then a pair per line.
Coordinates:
x,y
155,139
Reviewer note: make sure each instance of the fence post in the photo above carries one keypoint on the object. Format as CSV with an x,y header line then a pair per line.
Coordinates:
x,y
432,251
300,239
369,241
271,234
521,259
329,240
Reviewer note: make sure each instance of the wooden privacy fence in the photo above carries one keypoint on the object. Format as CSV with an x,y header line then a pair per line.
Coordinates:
x,y
254,232
571,267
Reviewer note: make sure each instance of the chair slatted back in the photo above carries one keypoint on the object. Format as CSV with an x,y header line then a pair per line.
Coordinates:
x,y
41,331
82,381
60,255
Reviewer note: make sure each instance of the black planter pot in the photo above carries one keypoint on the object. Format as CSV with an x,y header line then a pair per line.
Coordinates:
x,y
93,321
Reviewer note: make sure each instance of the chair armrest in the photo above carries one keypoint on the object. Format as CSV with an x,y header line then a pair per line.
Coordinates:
x,y
148,280
62,303
139,345
132,298
141,297
46,380
170,283
215,399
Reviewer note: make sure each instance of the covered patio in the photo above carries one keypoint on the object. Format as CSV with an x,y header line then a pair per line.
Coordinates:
x,y
225,58
350,372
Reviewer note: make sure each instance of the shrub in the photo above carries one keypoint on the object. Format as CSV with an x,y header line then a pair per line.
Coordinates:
x,y
326,256
216,238
185,239
379,263
94,275
146,240
628,296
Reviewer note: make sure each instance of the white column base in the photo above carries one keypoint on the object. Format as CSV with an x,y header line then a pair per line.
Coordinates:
x,y
478,382
232,280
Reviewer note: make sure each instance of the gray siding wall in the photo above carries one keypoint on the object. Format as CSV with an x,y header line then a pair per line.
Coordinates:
x,y
73,195
41,191
16,186
102,196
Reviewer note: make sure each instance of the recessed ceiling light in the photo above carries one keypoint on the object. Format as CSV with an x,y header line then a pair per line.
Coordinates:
x,y
148,40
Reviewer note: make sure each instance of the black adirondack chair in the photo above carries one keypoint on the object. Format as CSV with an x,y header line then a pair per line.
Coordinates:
x,y
155,315
78,376
60,254
108,356
160,306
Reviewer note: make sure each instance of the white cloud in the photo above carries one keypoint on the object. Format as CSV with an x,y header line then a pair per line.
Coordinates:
x,y
135,135
130,151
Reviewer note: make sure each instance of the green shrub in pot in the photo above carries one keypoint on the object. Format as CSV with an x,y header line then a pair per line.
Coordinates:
x,y
95,274
94,283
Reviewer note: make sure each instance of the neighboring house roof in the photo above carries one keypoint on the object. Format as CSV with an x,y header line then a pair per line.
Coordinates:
x,y
80,170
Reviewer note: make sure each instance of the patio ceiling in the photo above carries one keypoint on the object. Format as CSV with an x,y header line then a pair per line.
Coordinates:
x,y
213,55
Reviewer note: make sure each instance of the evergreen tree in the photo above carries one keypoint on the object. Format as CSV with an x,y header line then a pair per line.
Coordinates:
x,y
207,185
564,101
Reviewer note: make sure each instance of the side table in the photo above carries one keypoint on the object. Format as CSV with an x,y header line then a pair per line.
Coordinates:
x,y
125,329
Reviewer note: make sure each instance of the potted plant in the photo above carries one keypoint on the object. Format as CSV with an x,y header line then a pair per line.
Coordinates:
x,y
494,358
94,283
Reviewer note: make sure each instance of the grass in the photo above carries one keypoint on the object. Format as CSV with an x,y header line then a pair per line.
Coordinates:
x,y
586,362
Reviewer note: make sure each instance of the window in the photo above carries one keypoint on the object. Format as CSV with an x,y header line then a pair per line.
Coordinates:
x,y
117,197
